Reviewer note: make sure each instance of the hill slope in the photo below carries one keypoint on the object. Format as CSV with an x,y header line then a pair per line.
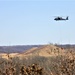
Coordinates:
x,y
46,50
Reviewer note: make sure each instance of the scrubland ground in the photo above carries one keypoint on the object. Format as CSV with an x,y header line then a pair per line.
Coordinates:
x,y
59,64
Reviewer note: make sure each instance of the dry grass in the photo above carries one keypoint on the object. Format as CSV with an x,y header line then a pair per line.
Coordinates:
x,y
15,67
39,65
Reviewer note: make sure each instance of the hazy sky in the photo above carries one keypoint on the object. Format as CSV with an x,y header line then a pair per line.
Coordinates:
x,y
32,22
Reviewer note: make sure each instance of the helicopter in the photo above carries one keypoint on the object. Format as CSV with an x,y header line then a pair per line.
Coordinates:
x,y
60,18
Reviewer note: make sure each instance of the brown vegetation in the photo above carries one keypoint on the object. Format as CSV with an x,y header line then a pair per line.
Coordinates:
x,y
62,63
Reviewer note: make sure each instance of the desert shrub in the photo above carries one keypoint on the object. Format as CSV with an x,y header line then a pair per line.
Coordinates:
x,y
33,69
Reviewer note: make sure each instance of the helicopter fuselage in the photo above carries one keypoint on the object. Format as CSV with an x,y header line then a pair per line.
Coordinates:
x,y
60,18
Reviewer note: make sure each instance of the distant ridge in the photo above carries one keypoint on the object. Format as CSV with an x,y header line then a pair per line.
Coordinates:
x,y
16,49
41,50
22,48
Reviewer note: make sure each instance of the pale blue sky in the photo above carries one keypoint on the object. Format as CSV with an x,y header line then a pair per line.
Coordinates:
x,y
32,22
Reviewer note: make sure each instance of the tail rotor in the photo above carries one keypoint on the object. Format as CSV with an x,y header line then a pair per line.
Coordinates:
x,y
67,18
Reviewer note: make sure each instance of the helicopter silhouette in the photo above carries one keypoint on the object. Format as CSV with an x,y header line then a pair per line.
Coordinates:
x,y
60,18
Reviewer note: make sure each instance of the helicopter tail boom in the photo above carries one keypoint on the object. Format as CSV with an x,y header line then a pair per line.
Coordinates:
x,y
67,18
